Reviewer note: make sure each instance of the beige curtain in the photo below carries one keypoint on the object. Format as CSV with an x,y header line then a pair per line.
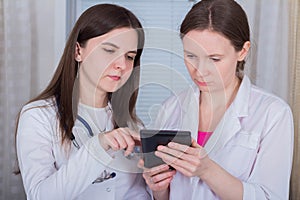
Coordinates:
x,y
15,76
32,36
268,60
294,72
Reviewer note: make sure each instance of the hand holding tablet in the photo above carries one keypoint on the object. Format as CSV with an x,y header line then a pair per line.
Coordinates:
x,y
150,139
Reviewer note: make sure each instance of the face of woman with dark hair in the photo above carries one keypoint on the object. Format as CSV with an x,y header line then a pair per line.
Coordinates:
x,y
106,62
211,60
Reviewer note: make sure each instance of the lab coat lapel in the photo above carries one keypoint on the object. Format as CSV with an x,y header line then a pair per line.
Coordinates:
x,y
230,124
226,129
190,115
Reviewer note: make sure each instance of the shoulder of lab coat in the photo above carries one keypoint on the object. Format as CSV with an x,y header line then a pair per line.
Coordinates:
x,y
271,173
37,139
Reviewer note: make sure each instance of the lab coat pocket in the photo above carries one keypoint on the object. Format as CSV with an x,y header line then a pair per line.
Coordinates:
x,y
245,139
238,155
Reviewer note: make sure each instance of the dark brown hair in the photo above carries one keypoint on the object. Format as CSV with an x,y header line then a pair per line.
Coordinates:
x,y
226,17
95,21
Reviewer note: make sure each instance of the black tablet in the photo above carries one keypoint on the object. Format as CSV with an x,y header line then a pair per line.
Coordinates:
x,y
150,139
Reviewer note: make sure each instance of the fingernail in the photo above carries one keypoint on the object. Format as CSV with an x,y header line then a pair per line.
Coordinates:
x,y
160,147
171,144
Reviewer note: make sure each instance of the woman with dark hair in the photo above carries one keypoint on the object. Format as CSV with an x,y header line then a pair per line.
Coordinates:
x,y
75,139
242,146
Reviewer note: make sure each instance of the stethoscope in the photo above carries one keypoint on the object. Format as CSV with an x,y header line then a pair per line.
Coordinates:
x,y
88,128
136,149
105,175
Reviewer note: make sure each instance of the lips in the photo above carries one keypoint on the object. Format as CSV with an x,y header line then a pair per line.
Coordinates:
x,y
201,83
115,78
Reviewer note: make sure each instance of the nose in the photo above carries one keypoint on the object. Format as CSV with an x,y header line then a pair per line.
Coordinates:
x,y
120,62
204,66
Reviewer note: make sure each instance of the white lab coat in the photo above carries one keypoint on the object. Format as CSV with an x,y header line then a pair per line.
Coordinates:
x,y
51,172
253,142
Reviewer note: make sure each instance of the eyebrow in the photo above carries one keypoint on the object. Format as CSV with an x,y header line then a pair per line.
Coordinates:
x,y
188,52
115,46
218,55
211,55
111,44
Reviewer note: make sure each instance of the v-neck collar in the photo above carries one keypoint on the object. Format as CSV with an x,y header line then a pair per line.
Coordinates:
x,y
230,122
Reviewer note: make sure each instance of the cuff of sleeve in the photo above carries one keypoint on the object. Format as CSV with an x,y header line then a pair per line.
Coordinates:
x,y
248,191
95,149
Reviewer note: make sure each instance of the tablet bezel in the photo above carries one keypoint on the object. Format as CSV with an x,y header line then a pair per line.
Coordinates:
x,y
151,138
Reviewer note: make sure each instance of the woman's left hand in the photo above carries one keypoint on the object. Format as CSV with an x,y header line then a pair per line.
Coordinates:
x,y
190,161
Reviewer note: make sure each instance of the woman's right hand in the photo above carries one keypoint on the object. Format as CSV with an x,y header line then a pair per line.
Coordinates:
x,y
158,179
117,139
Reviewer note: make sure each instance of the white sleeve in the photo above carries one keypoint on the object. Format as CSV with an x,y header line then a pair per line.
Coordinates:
x,y
271,173
41,178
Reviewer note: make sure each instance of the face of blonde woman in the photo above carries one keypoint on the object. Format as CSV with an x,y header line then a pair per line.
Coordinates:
x,y
211,60
106,61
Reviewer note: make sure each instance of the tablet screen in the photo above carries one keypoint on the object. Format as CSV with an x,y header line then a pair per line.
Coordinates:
x,y
150,139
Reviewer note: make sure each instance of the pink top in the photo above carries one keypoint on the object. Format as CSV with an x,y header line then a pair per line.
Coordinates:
x,y
203,137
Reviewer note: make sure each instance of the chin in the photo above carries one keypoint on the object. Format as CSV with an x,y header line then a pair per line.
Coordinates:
x,y
112,89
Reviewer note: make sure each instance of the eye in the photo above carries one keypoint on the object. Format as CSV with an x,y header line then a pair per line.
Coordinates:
x,y
109,50
215,59
130,57
191,56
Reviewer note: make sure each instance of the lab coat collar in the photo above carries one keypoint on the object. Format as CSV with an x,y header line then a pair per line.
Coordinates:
x,y
190,110
241,101
230,123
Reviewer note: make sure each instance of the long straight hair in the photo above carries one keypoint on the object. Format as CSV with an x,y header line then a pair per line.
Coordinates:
x,y
95,21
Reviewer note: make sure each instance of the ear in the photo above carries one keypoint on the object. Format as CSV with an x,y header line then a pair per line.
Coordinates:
x,y
243,53
78,51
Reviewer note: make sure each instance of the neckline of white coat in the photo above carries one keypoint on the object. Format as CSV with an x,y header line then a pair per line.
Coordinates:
x,y
240,102
230,123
